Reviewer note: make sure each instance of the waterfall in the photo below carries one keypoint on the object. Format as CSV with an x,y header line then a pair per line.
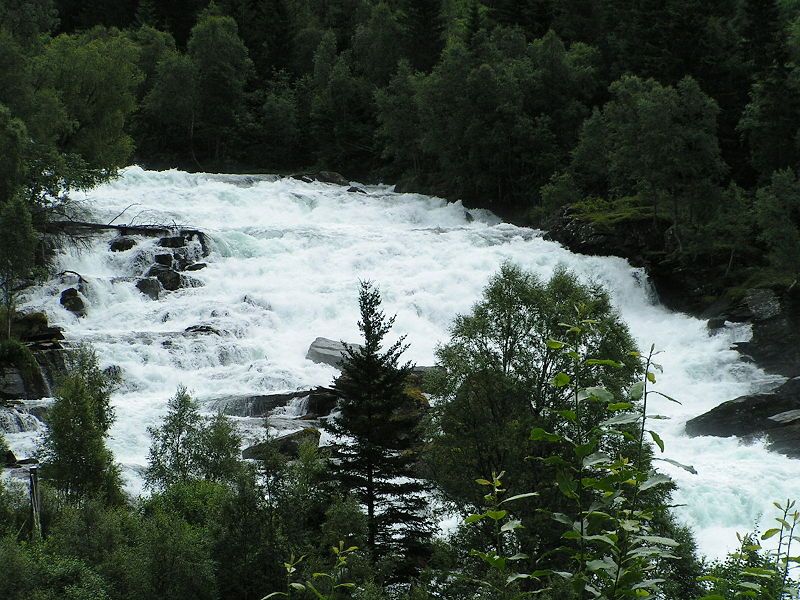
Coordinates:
x,y
285,259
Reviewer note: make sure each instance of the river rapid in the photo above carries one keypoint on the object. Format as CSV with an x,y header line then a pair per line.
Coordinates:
x,y
285,260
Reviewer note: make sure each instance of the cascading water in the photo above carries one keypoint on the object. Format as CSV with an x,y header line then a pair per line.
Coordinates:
x,y
285,260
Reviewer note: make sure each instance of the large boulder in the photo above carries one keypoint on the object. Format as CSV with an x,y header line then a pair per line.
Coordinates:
x,y
33,327
150,287
72,301
121,243
173,241
170,280
328,352
321,401
288,445
775,415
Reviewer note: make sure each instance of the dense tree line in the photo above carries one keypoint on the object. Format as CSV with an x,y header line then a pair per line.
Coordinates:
x,y
679,114
688,109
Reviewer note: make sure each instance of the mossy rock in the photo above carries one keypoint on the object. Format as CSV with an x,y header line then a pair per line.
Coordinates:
x,y
288,445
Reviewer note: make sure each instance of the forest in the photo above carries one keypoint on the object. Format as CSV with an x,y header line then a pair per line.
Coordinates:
x,y
680,117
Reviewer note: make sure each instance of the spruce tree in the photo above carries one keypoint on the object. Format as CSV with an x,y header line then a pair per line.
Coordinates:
x,y
377,438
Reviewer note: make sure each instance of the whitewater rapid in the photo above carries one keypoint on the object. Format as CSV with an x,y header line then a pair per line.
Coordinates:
x,y
286,257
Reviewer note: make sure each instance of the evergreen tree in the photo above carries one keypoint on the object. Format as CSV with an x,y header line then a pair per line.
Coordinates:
x,y
377,438
223,67
777,209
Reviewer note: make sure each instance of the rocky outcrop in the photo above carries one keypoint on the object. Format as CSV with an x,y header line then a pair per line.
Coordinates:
x,y
775,319
196,266
774,415
72,301
288,445
321,401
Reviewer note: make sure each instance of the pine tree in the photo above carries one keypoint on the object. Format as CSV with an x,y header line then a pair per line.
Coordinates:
x,y
377,435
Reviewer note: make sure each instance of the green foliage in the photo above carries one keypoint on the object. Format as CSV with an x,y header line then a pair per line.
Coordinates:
x,y
188,446
74,454
223,66
377,424
777,209
17,246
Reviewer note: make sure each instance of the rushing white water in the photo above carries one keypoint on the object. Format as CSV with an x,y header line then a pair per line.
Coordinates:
x,y
285,260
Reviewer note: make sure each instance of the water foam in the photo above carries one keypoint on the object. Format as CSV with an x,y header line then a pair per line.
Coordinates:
x,y
285,260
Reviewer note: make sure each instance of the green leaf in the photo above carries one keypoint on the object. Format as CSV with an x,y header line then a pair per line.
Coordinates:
x,y
614,406
604,362
555,344
637,391
623,419
511,525
596,393
540,435
560,380
657,439
769,533
651,377
519,497
657,539
598,458
483,482
688,468
298,586
654,480
473,519
496,515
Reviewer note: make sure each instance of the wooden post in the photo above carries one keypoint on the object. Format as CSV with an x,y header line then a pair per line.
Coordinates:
x,y
36,502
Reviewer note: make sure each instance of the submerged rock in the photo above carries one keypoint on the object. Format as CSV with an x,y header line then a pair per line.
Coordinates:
x,y
196,266
775,415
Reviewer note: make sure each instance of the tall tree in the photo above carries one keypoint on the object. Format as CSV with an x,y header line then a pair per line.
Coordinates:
x,y
377,437
223,67
17,247
75,456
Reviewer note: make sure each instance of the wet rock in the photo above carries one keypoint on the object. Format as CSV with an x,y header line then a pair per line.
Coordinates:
x,y
150,287
196,266
34,328
323,177
72,301
9,459
202,329
288,445
326,351
321,401
716,323
12,384
163,260
356,190
775,415
173,241
169,279
121,243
